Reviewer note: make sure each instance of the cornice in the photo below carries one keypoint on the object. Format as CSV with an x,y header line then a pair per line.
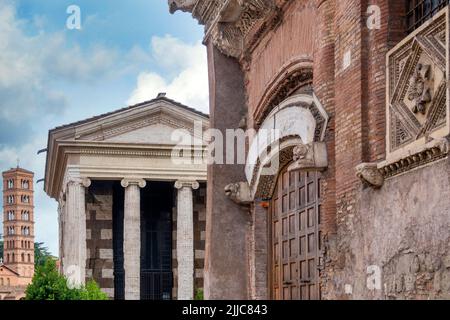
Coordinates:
x,y
227,22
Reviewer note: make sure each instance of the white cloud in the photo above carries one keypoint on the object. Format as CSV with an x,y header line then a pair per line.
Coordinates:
x,y
186,80
29,67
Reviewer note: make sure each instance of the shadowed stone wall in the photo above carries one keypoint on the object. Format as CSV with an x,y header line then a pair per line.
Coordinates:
x,y
99,263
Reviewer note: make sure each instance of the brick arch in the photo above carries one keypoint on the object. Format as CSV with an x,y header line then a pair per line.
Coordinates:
x,y
292,77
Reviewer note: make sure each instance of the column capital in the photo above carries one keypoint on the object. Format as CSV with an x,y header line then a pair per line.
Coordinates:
x,y
126,182
187,184
85,182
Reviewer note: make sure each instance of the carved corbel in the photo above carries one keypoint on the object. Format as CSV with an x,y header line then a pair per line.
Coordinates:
x,y
311,156
182,5
370,175
239,193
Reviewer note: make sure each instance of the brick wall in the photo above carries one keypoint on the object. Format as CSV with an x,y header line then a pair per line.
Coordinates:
x,y
349,79
99,263
278,49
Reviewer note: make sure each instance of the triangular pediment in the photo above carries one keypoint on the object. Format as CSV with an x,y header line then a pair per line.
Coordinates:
x,y
155,122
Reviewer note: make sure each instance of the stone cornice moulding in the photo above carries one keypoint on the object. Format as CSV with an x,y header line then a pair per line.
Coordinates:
x,y
126,182
227,22
375,174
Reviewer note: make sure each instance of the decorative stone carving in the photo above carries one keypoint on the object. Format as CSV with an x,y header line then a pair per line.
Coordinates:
x,y
183,5
418,107
421,155
239,192
295,121
312,156
419,91
369,174
374,174
227,22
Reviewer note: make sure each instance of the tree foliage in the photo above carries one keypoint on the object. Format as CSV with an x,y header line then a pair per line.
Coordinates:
x,y
41,254
48,284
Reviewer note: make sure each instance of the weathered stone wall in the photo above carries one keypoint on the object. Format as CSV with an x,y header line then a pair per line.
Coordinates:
x,y
99,263
402,230
199,240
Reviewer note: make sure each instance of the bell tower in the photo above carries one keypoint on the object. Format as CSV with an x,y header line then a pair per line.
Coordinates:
x,y
18,221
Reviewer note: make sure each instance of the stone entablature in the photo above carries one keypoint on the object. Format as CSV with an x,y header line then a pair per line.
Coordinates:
x,y
227,22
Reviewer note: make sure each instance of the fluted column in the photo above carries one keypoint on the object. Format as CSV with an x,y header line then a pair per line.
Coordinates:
x,y
132,237
75,231
185,239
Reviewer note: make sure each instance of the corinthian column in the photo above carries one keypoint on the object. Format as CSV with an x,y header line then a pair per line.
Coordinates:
x,y
185,239
132,237
75,231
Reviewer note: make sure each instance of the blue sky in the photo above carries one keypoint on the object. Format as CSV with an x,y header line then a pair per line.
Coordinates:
x,y
126,52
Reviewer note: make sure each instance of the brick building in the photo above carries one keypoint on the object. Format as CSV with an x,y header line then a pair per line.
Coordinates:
x,y
17,267
358,206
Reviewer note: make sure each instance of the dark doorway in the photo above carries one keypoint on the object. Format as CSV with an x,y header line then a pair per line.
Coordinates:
x,y
118,212
156,241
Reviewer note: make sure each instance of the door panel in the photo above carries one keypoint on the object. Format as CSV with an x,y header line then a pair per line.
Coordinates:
x,y
295,224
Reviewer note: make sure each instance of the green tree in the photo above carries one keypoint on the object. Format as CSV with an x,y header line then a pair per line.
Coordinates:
x,y
48,284
41,254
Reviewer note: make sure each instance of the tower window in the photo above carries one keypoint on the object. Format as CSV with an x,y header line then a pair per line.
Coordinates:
x,y
419,11
25,215
25,184
11,231
10,199
10,183
25,199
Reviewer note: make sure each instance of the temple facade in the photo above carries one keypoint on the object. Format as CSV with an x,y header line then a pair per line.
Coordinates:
x,y
131,189
349,200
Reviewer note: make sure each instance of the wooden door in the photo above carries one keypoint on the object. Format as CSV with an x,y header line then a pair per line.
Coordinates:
x,y
295,236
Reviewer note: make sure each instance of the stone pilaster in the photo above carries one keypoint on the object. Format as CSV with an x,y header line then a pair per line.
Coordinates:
x,y
185,239
132,237
74,264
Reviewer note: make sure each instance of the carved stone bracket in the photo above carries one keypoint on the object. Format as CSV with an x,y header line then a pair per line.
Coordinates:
x,y
239,193
370,175
312,156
